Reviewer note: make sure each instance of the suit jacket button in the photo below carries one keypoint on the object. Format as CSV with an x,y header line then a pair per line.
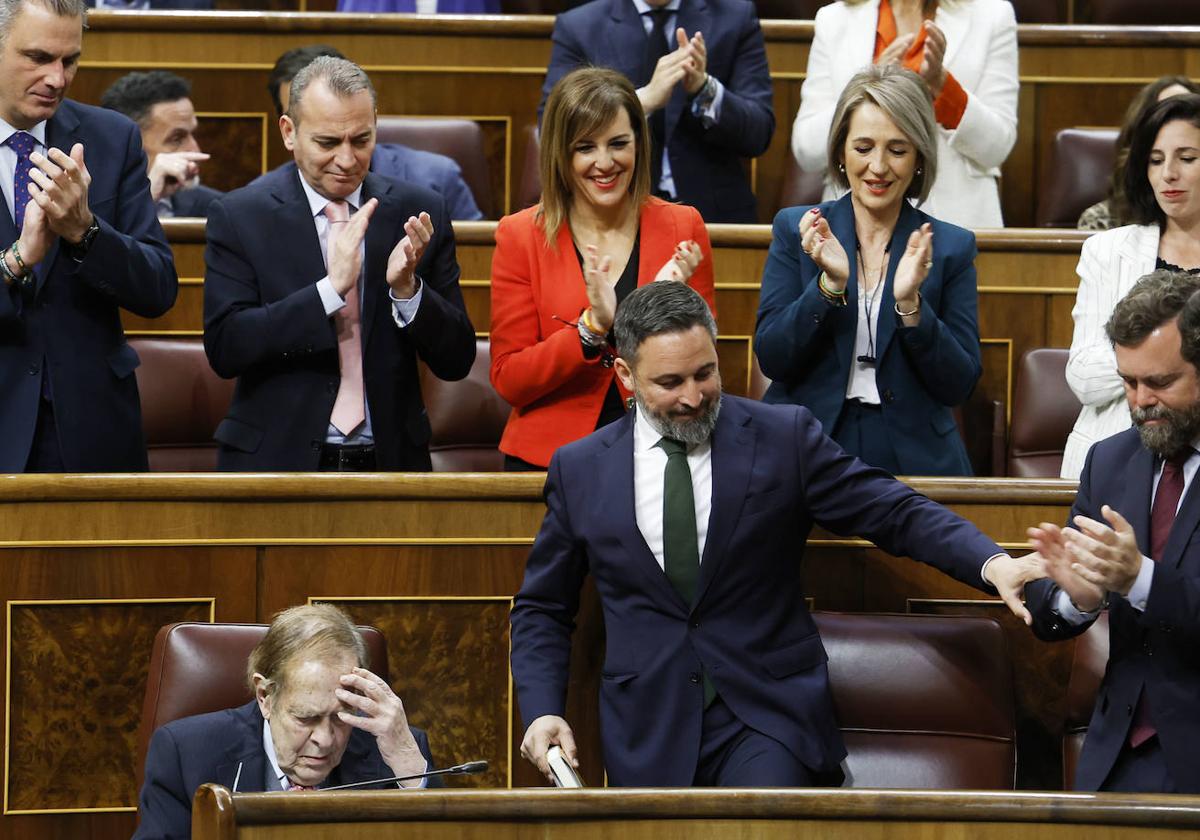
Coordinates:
x,y
695,625
316,445
1164,627
816,318
331,388
888,396
694,677
1129,710
34,370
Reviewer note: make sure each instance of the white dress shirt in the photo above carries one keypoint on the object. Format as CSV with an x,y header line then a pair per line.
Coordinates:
x,y
1139,593
403,311
649,463
8,158
861,385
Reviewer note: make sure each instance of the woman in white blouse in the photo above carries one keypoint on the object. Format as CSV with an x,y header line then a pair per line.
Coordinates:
x,y
1162,189
965,50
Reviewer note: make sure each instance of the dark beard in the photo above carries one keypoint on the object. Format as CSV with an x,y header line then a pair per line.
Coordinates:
x,y
1182,426
693,431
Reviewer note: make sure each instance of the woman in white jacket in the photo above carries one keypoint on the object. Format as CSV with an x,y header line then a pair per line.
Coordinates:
x,y
966,50
1162,190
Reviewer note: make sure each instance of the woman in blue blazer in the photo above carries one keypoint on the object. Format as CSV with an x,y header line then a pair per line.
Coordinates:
x,y
868,315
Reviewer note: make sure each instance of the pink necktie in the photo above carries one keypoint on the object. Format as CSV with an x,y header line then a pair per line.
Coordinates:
x,y
1162,517
348,409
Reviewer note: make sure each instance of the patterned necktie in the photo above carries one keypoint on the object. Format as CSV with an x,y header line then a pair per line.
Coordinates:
x,y
681,545
23,145
656,48
349,408
1162,517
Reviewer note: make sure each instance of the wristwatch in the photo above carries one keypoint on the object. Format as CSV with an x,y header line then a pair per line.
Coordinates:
x,y
78,250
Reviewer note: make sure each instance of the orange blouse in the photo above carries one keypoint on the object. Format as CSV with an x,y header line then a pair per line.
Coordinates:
x,y
951,103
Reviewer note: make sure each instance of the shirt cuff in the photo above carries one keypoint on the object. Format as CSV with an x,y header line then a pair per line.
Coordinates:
x,y
951,103
708,111
1068,612
417,783
983,570
405,310
1139,593
330,299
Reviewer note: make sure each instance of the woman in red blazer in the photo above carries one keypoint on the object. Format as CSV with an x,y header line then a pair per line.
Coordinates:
x,y
560,268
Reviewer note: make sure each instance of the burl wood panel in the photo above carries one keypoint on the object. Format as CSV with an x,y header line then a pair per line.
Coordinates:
x,y
77,678
236,143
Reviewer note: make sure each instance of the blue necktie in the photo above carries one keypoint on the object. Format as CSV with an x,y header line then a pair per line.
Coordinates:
x,y
22,144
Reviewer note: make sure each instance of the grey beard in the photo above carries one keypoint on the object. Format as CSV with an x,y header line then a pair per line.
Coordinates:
x,y
691,432
1182,427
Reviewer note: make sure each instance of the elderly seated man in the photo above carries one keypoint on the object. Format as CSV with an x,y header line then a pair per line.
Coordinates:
x,y
318,719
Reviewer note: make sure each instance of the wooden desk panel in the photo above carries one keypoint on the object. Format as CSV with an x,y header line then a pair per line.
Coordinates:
x,y
493,68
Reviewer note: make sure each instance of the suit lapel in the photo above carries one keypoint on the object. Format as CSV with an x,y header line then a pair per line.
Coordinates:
x,y
62,132
954,21
615,464
841,223
1135,504
733,443
378,246
626,29
293,224
246,760
1186,521
886,327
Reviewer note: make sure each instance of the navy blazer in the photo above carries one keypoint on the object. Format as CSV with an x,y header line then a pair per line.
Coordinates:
x,y
194,201
806,346
774,475
1156,651
69,328
432,171
220,747
264,323
706,163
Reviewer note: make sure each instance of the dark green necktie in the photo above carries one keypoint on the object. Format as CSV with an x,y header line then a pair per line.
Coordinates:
x,y
681,552
681,547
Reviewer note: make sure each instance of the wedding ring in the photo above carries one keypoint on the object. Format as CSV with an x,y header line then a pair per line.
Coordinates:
x,y
928,264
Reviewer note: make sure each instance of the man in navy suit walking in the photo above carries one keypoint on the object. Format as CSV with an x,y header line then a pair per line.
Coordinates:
x,y
79,241
700,67
1134,547
714,673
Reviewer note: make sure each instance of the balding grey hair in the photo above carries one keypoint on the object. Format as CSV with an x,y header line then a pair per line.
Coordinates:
x,y
9,9
344,78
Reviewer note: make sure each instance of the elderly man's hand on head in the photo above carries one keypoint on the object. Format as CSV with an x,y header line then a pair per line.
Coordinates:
x,y
380,712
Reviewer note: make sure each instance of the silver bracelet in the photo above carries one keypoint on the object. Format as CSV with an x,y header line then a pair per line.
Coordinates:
x,y
914,311
589,338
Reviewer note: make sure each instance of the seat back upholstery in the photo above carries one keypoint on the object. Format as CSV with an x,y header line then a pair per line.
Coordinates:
x,y
800,187
922,701
459,139
529,191
1083,160
1043,413
197,668
183,401
467,418
1087,670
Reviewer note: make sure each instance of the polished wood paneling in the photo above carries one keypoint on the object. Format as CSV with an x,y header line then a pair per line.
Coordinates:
x,y
432,559
77,674
717,814
494,67
237,145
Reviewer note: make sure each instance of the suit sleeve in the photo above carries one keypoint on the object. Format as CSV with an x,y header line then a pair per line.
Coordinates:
x,y
460,202
792,323
240,331
543,613
129,260
747,118
527,365
988,128
1091,364
818,97
442,333
943,348
164,805
848,497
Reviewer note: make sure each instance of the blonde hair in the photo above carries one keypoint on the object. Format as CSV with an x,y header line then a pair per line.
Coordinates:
x,y
582,102
903,96
315,631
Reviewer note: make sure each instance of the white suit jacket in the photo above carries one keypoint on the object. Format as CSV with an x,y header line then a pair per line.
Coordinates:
x,y
1111,262
981,53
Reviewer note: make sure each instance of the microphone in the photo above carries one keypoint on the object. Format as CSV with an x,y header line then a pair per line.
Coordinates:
x,y
866,359
456,770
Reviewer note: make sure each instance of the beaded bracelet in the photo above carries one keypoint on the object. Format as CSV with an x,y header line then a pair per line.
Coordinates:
x,y
16,252
836,298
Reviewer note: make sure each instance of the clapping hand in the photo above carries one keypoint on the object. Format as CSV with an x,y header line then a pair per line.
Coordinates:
x,y
820,245
683,262
913,268
402,263
601,289
932,70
